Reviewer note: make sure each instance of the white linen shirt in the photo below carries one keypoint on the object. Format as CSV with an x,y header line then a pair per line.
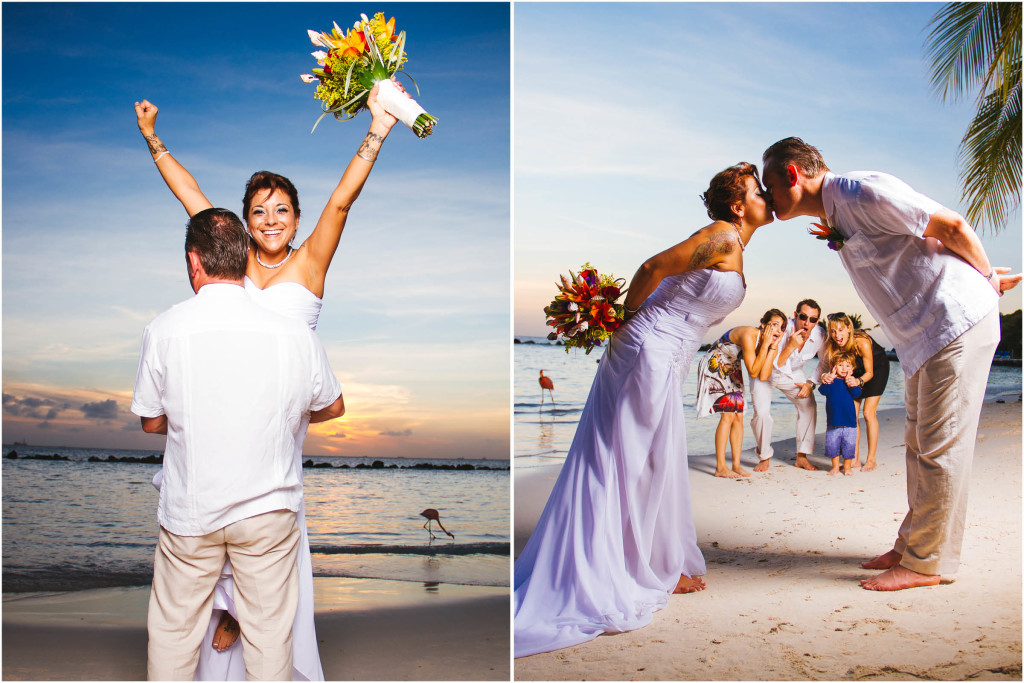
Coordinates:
x,y
922,294
234,381
792,371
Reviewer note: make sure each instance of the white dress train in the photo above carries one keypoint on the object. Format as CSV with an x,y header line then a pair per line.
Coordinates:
x,y
617,530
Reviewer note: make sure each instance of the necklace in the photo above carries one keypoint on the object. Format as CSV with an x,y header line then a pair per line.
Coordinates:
x,y
281,262
734,226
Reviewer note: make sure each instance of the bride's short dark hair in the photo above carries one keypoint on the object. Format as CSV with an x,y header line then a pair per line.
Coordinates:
x,y
727,188
265,180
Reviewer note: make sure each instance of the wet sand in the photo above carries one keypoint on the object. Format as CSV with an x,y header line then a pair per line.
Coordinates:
x,y
368,630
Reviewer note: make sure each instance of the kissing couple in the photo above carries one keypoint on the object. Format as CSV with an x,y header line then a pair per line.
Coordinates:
x,y
617,536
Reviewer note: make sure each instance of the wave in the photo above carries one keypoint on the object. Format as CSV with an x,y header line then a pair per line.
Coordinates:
x,y
440,548
87,575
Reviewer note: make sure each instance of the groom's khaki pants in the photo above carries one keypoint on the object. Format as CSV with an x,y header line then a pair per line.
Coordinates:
x,y
944,399
263,550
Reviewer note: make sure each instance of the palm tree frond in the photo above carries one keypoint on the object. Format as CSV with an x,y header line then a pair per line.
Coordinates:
x,y
990,156
975,48
958,48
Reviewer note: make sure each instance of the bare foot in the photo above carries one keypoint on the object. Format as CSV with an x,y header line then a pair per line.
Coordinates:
x,y
899,577
856,464
727,473
742,472
803,463
226,633
884,561
870,465
848,472
688,585
834,471
763,465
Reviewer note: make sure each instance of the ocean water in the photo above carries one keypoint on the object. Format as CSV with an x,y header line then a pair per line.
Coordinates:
x,y
543,433
70,525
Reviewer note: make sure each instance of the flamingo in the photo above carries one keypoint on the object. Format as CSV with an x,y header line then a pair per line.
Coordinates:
x,y
432,516
546,383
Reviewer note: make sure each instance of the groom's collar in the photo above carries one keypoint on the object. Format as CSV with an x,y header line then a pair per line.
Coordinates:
x,y
827,198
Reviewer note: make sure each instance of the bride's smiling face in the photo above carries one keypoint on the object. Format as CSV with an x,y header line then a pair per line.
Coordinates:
x,y
271,221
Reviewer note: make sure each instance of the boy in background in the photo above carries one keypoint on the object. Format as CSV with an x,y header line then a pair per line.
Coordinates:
x,y
841,413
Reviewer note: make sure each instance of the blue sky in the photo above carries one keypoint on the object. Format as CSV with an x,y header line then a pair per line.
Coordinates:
x,y
415,318
624,112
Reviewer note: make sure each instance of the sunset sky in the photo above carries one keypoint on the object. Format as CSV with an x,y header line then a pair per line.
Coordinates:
x,y
622,113
651,100
415,318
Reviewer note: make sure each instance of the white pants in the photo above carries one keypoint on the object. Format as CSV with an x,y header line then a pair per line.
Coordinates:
x,y
944,400
761,421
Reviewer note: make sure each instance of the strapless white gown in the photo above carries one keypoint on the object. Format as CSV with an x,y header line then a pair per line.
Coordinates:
x,y
294,301
618,529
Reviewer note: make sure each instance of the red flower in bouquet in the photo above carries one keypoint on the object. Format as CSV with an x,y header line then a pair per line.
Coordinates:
x,y
584,311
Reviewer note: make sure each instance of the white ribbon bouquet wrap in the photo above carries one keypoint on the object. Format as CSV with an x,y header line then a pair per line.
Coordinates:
x,y
368,54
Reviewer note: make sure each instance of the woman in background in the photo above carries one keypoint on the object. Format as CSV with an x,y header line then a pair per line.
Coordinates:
x,y
720,382
872,369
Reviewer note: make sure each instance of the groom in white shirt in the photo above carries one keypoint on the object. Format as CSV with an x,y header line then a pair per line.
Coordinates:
x,y
228,382
923,274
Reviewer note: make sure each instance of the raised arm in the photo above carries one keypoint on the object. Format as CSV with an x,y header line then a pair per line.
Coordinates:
x,y
758,358
709,247
323,241
179,180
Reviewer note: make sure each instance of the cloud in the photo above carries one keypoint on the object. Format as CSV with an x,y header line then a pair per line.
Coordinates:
x,y
32,407
102,410
402,433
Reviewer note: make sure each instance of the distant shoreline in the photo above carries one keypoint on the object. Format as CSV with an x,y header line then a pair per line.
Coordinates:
x,y
158,458
890,354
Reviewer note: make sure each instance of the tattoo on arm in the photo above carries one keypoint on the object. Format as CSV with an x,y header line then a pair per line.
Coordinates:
x,y
155,146
718,244
370,147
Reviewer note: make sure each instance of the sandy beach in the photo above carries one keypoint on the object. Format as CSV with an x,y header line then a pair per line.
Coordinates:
x,y
783,601
368,630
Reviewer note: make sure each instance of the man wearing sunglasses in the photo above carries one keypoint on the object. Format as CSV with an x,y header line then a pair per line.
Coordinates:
x,y
801,342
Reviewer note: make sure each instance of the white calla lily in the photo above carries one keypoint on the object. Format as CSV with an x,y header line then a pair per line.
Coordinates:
x,y
308,78
320,56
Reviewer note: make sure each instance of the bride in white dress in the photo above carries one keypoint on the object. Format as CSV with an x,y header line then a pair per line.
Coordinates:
x,y
617,536
289,281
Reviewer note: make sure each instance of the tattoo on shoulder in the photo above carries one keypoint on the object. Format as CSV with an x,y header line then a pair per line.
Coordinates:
x,y
155,146
717,244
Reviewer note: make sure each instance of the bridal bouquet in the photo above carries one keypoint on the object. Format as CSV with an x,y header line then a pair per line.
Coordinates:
x,y
584,310
368,53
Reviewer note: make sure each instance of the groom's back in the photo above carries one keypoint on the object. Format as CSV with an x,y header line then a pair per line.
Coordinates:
x,y
235,381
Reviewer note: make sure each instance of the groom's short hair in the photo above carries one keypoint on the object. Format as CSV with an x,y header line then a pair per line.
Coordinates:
x,y
797,152
219,239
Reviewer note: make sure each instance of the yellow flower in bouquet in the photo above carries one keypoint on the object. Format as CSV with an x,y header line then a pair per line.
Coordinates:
x,y
357,59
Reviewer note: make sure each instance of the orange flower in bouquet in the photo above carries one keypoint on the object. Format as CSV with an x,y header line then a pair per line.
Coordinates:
x,y
584,312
